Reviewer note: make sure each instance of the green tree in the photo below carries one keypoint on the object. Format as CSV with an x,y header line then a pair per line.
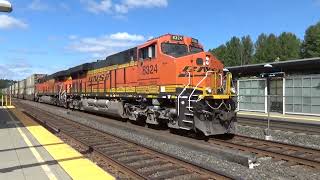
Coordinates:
x,y
4,83
289,46
219,52
311,44
233,52
260,46
267,48
247,50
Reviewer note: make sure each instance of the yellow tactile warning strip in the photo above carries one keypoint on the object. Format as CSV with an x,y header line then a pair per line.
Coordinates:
x,y
7,107
74,163
296,117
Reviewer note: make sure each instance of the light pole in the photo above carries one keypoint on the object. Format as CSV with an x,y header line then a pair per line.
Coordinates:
x,y
5,6
267,76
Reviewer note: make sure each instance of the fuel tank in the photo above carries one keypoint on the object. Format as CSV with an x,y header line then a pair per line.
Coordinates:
x,y
103,106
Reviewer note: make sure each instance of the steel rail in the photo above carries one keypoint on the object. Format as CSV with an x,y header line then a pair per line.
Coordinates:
x,y
294,155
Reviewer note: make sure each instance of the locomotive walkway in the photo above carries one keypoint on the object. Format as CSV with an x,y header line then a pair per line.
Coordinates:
x,y
29,151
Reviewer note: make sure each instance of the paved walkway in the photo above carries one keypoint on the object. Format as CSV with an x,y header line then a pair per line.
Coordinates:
x,y
21,156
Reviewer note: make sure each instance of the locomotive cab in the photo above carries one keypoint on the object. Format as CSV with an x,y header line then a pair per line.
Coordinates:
x,y
203,90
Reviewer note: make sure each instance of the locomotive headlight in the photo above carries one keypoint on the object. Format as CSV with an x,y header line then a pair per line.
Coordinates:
x,y
207,60
233,90
209,90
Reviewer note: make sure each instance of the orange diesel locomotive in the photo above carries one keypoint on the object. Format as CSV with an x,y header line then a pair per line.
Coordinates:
x,y
167,80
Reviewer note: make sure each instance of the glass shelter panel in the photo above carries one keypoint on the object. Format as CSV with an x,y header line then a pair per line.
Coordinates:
x,y
252,94
303,94
276,95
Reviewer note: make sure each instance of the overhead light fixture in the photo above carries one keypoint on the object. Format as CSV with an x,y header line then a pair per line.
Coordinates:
x,y
5,6
268,66
225,70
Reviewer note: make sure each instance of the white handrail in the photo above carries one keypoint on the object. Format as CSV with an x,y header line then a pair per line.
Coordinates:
x,y
195,88
184,89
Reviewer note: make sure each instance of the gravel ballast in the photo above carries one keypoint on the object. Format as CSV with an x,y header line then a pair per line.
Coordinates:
x,y
300,139
265,169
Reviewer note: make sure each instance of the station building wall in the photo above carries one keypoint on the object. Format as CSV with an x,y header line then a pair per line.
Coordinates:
x,y
293,94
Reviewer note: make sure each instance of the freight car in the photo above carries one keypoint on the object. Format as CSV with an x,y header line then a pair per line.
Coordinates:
x,y
16,90
21,89
31,82
167,80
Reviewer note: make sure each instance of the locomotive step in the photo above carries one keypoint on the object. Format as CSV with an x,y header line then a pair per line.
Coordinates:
x,y
185,128
188,114
187,121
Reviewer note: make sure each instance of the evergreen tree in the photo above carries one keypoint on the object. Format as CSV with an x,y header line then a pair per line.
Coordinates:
x,y
289,46
260,46
219,52
233,52
273,48
247,50
311,44
267,48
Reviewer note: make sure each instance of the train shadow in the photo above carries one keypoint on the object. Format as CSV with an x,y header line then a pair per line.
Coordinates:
x,y
197,135
200,136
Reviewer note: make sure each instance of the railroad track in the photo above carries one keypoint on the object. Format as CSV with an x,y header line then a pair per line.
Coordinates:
x,y
311,129
293,155
136,161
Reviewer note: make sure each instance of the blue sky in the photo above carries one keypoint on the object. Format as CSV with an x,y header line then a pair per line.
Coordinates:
x,y
44,36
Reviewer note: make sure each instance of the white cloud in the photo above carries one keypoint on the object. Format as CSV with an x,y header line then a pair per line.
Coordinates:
x,y
126,36
131,4
73,37
97,7
8,22
105,45
16,71
38,5
123,7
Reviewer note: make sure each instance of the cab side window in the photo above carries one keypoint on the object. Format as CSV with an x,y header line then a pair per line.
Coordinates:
x,y
148,52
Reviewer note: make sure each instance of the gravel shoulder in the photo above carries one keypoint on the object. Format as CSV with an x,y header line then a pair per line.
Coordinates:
x,y
300,139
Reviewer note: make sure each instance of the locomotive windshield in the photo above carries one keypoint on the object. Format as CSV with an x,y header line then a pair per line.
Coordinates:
x,y
194,49
175,50
179,50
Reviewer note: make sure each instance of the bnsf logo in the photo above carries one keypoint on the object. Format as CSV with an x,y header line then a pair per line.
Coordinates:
x,y
198,69
99,77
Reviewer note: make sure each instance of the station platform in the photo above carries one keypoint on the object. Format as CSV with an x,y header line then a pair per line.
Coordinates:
x,y
28,151
281,117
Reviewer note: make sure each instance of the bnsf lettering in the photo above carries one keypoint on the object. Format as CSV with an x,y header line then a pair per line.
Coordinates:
x,y
100,77
151,69
204,69
197,69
